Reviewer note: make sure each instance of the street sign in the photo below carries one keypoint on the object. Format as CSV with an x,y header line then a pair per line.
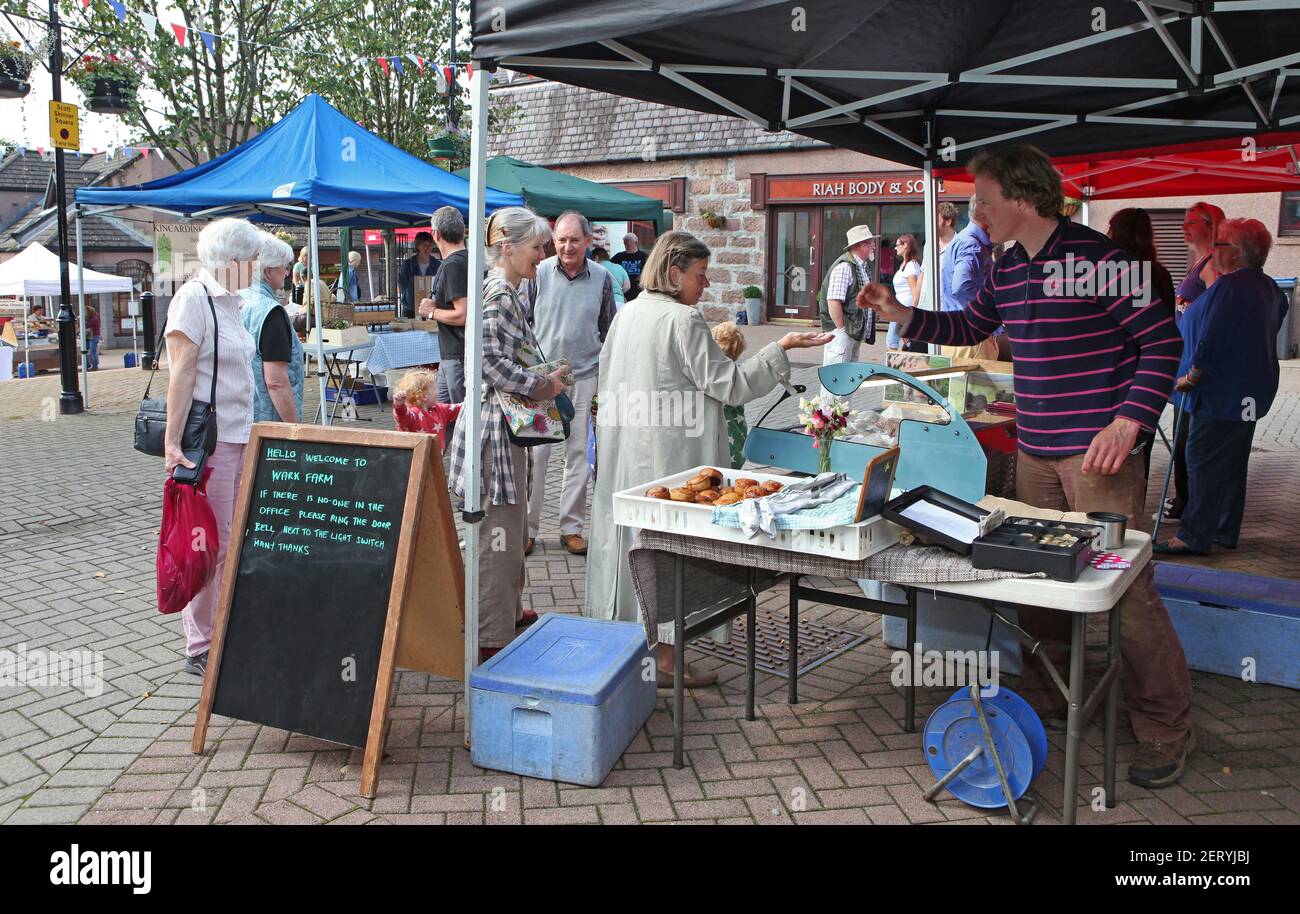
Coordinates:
x,y
63,126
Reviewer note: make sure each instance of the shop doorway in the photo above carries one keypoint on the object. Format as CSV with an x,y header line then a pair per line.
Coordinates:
x,y
794,275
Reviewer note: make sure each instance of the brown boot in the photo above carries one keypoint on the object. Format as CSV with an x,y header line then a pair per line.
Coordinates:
x,y
1160,763
528,547
574,543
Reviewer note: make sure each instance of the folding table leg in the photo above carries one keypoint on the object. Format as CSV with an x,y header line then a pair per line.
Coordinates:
x,y
1112,708
679,653
1074,720
751,620
793,674
909,693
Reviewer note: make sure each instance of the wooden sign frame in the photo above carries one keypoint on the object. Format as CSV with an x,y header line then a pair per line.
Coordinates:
x,y
428,562
883,464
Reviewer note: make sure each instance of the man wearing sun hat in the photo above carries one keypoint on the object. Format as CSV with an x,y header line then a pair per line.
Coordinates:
x,y
837,299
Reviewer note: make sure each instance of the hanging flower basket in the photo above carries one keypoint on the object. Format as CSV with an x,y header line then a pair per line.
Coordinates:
x,y
1070,206
107,83
111,97
713,220
15,67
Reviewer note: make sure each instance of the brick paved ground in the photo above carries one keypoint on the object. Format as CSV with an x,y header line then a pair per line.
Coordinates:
x,y
76,535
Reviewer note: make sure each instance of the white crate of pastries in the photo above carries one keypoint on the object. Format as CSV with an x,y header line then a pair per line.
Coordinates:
x,y
683,514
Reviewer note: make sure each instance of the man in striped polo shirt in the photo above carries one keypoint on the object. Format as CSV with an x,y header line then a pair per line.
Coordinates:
x,y
1095,355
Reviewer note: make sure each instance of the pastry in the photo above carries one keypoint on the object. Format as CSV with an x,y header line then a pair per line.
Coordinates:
x,y
707,497
730,498
745,482
715,474
682,494
771,486
657,492
754,492
726,490
700,483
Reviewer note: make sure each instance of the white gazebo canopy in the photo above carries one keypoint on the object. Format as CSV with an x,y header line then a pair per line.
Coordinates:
x,y
35,271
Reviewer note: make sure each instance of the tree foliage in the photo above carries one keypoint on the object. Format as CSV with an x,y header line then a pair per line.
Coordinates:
x,y
203,102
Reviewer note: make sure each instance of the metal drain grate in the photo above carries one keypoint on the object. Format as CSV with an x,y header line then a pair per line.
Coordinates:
x,y
817,643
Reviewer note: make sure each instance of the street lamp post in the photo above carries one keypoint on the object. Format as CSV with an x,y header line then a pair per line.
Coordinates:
x,y
70,401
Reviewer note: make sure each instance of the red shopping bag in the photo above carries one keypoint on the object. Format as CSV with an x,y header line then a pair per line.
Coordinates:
x,y
187,543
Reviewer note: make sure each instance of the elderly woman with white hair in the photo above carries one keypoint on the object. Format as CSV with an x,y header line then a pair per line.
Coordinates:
x,y
1228,377
515,240
277,363
210,354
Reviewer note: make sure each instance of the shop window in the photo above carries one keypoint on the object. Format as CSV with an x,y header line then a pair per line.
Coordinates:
x,y
1288,224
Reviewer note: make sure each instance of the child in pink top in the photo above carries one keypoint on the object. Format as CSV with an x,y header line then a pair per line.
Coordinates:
x,y
416,407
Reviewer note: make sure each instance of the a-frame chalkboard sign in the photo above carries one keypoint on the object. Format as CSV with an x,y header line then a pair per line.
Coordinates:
x,y
343,565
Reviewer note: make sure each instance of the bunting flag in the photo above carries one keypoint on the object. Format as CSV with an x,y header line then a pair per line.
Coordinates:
x,y
383,64
150,22
119,9
420,61
397,65
179,31
144,152
209,41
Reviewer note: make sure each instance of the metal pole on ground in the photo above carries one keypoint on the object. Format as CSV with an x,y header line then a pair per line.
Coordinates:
x,y
313,282
70,401
81,308
930,267
473,418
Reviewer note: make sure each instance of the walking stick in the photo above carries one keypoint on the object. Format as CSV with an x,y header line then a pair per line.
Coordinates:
x,y
1169,470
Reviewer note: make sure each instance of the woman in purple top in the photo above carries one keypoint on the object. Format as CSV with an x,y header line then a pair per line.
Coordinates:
x,y
1200,228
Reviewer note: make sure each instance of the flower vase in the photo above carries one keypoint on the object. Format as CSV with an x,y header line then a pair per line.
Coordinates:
x,y
824,446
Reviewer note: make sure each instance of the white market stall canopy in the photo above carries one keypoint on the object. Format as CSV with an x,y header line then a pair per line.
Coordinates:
x,y
35,271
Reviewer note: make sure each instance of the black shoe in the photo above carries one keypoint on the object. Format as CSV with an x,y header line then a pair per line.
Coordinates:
x,y
197,665
1225,545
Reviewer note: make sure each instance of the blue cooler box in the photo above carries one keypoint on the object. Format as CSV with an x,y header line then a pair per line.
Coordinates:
x,y
563,700
1224,617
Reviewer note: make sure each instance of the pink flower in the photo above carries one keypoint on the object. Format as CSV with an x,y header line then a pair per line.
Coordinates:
x,y
539,422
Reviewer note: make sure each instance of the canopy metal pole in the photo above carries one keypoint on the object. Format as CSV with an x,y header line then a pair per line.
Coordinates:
x,y
314,283
370,279
473,418
931,247
1083,211
85,331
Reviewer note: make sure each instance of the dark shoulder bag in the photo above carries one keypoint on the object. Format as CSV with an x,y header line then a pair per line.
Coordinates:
x,y
200,425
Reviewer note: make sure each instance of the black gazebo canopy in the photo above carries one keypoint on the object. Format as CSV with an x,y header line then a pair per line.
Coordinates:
x,y
933,80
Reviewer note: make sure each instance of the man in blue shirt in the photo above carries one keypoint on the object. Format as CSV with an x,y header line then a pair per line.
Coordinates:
x,y
1228,378
963,267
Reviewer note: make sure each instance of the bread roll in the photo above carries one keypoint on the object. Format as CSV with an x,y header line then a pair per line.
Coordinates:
x,y
657,492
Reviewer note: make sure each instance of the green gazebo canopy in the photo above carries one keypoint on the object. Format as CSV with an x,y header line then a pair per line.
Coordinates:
x,y
550,193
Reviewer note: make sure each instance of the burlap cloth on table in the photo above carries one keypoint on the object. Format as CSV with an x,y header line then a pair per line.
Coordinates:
x,y
715,572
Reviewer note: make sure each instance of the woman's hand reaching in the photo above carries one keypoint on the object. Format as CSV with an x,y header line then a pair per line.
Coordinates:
x,y
803,340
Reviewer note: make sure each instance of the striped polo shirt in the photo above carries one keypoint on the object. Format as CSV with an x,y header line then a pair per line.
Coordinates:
x,y
1090,338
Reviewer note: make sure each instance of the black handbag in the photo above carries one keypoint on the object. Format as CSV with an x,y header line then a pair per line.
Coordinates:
x,y
200,431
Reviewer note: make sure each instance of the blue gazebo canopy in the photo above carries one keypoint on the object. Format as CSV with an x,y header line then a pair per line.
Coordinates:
x,y
315,156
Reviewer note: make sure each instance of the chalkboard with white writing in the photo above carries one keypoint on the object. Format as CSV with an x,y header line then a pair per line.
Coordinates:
x,y
316,556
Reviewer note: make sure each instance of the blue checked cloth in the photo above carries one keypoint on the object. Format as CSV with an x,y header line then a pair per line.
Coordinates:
x,y
403,350
835,513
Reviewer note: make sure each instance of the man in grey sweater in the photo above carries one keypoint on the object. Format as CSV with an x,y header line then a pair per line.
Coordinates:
x,y
573,306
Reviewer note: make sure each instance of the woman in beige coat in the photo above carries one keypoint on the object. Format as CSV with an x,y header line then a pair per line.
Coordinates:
x,y
663,383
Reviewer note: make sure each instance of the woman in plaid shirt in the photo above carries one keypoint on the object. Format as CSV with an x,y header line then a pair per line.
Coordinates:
x,y
516,242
